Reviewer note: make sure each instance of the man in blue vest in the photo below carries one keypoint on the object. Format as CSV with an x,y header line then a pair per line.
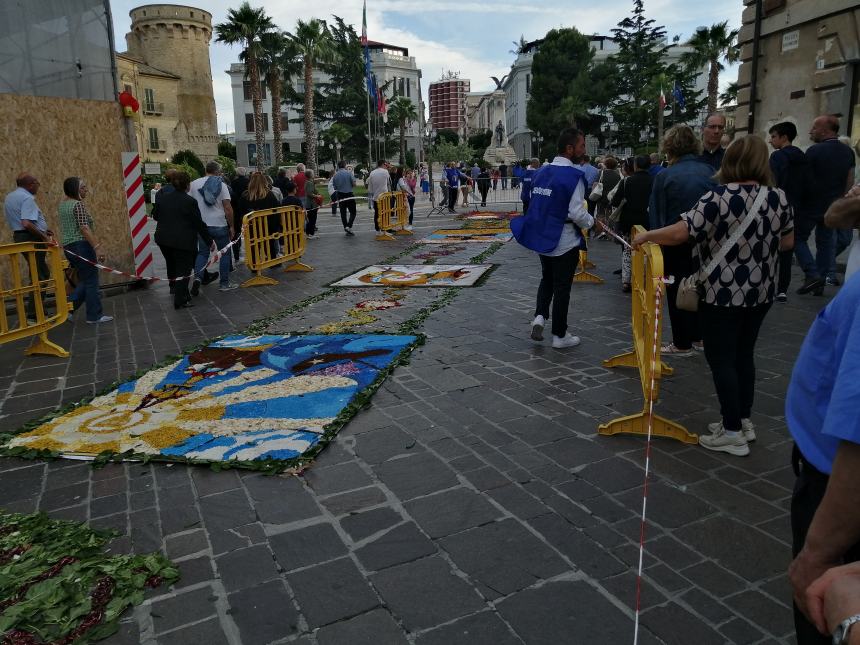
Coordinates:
x,y
528,175
557,214
453,175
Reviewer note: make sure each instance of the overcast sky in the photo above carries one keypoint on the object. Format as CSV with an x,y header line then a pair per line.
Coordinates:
x,y
469,36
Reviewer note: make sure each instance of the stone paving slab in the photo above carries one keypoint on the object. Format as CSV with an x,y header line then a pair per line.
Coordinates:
x,y
471,502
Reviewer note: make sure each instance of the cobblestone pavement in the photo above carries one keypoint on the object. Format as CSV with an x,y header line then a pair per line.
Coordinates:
x,y
472,502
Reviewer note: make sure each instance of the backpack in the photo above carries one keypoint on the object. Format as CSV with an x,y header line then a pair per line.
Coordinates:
x,y
211,190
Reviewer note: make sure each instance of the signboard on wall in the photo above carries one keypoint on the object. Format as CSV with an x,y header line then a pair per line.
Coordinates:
x,y
790,40
152,169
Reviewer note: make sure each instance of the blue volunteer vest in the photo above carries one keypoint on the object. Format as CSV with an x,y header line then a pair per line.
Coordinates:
x,y
526,192
551,190
453,176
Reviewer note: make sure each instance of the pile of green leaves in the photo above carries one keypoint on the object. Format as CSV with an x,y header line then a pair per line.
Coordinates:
x,y
58,586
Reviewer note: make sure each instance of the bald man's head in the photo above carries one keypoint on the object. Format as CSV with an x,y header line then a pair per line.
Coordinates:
x,y
28,182
824,127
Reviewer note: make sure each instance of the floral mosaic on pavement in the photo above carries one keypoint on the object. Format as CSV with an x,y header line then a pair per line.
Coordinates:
x,y
446,236
241,399
415,275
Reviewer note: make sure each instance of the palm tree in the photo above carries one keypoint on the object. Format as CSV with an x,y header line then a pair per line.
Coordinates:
x,y
277,63
730,94
519,47
403,111
711,45
246,26
314,46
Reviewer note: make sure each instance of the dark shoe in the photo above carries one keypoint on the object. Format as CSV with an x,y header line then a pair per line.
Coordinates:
x,y
209,277
172,289
195,288
781,297
832,281
616,272
349,232
625,288
812,285
184,306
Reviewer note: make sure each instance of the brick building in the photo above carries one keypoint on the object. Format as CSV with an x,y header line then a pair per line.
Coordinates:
x,y
447,103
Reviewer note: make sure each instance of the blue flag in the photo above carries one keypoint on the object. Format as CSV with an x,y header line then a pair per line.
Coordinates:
x,y
679,96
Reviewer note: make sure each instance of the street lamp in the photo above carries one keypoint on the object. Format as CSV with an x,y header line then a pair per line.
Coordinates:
x,y
430,133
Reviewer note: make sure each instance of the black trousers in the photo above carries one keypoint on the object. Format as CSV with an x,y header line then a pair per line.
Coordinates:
x,y
483,190
678,262
347,206
809,489
41,268
179,262
784,280
311,221
334,197
555,283
730,334
452,197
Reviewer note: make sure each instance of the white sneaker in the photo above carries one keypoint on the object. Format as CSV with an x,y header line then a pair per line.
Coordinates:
x,y
567,341
537,328
228,287
100,320
747,428
408,227
671,350
722,440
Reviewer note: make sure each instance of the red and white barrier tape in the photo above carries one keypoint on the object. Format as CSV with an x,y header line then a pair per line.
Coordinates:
x,y
655,365
608,230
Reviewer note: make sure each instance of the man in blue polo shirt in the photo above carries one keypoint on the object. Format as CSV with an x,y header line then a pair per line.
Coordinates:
x,y
553,228
28,224
453,175
821,411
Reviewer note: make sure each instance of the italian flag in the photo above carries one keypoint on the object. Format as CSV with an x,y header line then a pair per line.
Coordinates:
x,y
662,98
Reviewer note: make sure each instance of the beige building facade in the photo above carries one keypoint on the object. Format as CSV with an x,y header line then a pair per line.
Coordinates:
x,y
808,65
167,65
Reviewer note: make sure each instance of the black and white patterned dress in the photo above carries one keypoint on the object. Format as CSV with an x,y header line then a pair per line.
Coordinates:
x,y
746,276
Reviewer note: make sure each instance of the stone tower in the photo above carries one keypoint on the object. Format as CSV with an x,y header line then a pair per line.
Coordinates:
x,y
175,39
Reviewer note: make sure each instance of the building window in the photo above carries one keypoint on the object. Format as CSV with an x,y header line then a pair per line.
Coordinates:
x,y
408,90
249,122
285,122
528,83
285,148
252,154
246,90
153,139
148,100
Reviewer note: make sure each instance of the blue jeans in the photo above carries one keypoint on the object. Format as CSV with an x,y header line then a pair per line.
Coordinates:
x,y
87,289
221,235
844,237
825,247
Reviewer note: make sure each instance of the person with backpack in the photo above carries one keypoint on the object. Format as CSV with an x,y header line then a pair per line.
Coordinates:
x,y
213,200
791,173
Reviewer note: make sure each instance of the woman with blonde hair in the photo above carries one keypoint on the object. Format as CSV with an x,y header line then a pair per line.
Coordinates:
x,y
675,191
260,197
738,229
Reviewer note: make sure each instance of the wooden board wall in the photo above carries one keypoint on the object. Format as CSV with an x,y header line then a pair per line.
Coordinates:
x,y
54,138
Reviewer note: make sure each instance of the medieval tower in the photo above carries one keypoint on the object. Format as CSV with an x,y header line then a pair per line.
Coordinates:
x,y
175,39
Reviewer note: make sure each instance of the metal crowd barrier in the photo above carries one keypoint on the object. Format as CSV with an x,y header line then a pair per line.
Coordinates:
x,y
582,274
17,287
647,296
473,195
266,232
393,210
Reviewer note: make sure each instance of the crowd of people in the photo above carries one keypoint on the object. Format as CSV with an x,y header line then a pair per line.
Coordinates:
x,y
732,218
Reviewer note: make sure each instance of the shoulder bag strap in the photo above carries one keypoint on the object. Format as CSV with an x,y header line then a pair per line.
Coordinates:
x,y
751,214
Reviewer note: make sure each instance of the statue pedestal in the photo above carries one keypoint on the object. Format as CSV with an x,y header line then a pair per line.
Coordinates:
x,y
497,155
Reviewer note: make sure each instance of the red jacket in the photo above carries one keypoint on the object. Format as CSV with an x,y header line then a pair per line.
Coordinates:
x,y
300,180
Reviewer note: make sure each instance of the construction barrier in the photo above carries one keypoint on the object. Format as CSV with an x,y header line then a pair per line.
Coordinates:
x,y
17,286
393,216
584,264
647,297
265,233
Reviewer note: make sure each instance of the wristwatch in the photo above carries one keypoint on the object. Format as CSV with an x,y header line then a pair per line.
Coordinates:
x,y
840,634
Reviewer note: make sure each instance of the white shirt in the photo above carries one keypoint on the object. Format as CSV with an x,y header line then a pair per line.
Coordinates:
x,y
378,182
577,212
212,215
402,185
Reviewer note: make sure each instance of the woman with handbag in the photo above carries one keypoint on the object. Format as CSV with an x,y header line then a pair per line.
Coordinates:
x,y
630,202
738,230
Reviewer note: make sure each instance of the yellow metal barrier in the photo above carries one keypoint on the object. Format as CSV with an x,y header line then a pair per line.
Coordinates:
x,y
393,215
14,294
647,281
584,264
265,232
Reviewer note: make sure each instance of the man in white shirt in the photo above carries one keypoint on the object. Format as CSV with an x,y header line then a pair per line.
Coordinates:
x,y
213,198
378,182
553,228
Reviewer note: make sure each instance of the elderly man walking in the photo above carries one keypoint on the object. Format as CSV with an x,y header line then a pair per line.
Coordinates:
x,y
378,182
28,224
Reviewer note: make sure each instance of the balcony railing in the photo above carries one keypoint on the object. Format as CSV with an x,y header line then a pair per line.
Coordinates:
x,y
153,108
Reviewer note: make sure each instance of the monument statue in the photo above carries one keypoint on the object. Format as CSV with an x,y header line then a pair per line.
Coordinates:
x,y
500,134
500,150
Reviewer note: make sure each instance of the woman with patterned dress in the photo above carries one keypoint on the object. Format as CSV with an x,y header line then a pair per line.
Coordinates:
x,y
737,294
78,239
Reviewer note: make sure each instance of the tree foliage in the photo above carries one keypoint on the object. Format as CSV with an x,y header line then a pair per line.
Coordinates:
x,y
449,136
567,87
712,45
402,112
481,141
227,149
190,158
639,66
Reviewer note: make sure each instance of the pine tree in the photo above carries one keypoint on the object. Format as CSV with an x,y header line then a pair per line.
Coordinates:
x,y
639,64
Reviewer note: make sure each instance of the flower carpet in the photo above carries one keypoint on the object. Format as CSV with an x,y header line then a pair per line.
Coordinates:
x,y
58,586
242,400
415,275
446,236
